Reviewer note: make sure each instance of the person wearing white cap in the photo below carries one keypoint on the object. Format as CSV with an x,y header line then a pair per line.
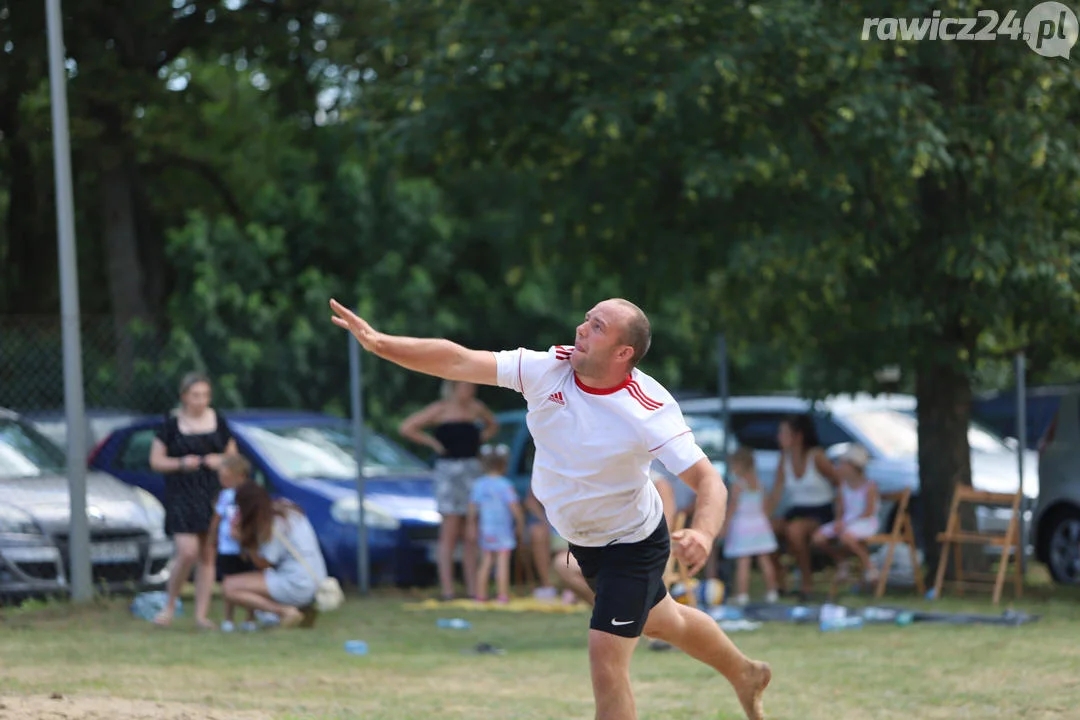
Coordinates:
x,y
857,507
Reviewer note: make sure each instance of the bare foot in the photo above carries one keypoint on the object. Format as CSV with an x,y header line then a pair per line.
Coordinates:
x,y
752,687
163,618
205,624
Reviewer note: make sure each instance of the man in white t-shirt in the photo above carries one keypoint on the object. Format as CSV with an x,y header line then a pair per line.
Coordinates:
x,y
597,423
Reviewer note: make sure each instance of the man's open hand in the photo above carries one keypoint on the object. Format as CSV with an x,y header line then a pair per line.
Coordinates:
x,y
692,547
346,318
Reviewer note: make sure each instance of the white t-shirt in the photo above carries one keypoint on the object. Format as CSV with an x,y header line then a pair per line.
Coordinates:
x,y
594,447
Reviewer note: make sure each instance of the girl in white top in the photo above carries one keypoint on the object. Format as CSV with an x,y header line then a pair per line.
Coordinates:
x,y
857,507
809,480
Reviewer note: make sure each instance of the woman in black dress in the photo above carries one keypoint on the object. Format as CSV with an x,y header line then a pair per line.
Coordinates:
x,y
188,451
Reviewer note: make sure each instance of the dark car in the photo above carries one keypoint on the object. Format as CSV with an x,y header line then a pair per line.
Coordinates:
x,y
308,458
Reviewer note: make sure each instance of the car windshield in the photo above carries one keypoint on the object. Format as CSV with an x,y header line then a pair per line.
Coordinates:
x,y
326,451
984,439
892,434
896,434
98,427
709,435
24,452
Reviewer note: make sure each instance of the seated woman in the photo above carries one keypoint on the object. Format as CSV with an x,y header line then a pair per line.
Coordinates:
x,y
281,542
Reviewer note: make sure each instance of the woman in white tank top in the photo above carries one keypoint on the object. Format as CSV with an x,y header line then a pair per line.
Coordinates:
x,y
809,480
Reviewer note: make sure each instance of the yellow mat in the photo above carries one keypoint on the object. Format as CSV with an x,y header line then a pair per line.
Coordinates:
x,y
515,605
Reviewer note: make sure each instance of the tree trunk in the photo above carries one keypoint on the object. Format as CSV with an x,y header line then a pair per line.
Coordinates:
x,y
944,411
126,290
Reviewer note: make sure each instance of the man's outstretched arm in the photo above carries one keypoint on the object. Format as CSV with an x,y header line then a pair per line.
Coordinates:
x,y
431,356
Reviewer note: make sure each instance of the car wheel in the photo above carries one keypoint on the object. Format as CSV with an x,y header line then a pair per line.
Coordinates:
x,y
1063,548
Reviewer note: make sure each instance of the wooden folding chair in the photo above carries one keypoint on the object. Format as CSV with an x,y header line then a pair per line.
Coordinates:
x,y
902,533
525,570
676,571
955,537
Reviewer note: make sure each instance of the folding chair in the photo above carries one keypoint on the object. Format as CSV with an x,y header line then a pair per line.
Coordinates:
x,y
524,567
955,537
676,571
902,533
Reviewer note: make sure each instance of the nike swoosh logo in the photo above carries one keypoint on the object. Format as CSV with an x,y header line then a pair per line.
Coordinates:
x,y
621,622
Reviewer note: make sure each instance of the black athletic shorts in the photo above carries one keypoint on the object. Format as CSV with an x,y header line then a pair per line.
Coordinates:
x,y
628,579
233,565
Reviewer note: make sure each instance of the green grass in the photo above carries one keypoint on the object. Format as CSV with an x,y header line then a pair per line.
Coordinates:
x,y
414,670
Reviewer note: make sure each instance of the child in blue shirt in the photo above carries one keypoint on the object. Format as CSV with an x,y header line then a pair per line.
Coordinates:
x,y
235,470
496,520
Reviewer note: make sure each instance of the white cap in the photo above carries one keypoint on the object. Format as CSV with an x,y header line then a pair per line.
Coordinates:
x,y
857,455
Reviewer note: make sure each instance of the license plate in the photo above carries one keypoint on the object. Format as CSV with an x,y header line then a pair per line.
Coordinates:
x,y
114,552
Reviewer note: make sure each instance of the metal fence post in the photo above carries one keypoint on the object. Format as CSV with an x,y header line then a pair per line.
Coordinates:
x,y
78,560
1021,449
355,388
725,414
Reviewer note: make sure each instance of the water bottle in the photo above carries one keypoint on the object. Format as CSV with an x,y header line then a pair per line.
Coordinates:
x,y
356,647
841,623
726,612
835,617
799,614
453,623
873,614
147,605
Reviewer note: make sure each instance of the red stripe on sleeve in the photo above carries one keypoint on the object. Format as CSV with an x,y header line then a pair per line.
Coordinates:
x,y
638,394
669,440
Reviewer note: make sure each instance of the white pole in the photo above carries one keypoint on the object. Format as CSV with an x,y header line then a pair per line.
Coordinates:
x,y
78,544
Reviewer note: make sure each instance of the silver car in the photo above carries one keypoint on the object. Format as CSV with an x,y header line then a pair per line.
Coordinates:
x,y
129,549
886,425
1057,515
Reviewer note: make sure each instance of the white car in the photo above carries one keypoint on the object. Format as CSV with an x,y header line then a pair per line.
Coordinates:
x,y
1056,519
887,427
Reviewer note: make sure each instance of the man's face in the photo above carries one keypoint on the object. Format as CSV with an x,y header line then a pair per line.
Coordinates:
x,y
599,340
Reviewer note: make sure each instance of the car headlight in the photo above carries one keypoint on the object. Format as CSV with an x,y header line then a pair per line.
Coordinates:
x,y
347,512
155,511
19,522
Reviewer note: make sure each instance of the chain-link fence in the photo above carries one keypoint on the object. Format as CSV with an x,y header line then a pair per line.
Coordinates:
x,y
127,372
122,367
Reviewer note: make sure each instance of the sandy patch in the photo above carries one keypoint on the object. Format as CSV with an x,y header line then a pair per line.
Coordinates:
x,y
63,707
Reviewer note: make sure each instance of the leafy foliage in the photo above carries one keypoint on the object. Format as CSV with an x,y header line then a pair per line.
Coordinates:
x,y
487,171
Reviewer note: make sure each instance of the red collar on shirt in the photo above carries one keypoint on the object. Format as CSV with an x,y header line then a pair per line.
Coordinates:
x,y
601,391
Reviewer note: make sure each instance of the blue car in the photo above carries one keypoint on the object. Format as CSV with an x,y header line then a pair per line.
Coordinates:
x,y
308,458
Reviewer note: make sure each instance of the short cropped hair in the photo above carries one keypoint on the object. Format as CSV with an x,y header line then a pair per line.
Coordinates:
x,y
637,333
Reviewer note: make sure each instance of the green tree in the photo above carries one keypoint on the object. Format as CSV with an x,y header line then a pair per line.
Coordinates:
x,y
762,169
